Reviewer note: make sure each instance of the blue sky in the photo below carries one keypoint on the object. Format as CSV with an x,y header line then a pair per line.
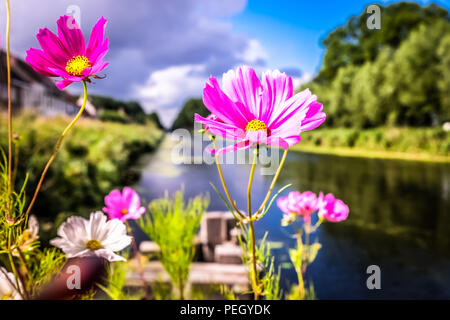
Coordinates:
x,y
162,52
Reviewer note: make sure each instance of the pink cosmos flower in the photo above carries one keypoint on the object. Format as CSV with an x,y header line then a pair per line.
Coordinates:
x,y
123,206
332,209
298,204
65,55
253,112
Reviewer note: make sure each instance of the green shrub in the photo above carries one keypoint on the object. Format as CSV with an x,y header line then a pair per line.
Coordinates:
x,y
172,225
95,158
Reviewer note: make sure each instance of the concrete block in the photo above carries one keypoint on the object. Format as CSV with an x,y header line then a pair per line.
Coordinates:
x,y
228,253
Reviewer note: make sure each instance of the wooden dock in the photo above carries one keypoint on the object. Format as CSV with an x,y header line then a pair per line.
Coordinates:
x,y
201,273
219,257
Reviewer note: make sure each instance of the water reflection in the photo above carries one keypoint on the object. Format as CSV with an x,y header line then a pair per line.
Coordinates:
x,y
399,218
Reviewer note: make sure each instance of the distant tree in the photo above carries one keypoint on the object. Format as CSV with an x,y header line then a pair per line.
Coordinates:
x,y
412,76
155,118
355,44
133,111
185,118
399,75
443,72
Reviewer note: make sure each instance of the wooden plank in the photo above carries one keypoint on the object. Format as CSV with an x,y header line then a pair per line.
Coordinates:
x,y
200,273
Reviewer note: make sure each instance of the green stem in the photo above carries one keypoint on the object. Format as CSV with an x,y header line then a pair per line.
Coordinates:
x,y
57,147
301,284
8,71
252,228
250,181
274,181
17,276
219,169
306,257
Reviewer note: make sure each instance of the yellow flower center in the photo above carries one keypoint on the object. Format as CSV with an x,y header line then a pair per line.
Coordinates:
x,y
93,245
6,297
76,65
124,211
256,125
26,235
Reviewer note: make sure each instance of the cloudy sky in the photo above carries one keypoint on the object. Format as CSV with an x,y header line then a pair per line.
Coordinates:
x,y
162,51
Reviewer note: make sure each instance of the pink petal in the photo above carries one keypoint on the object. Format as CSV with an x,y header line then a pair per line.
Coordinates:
x,y
71,36
61,84
244,86
282,203
221,105
242,145
96,44
314,117
259,136
63,74
40,62
224,130
53,47
97,68
278,88
291,108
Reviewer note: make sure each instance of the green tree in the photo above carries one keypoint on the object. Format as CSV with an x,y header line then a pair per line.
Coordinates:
x,y
444,77
185,118
354,43
412,76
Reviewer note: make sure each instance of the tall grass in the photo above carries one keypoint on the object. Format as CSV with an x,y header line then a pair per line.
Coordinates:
x,y
173,225
96,157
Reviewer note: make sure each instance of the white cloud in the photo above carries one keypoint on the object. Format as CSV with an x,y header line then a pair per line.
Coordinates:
x,y
167,89
304,78
254,53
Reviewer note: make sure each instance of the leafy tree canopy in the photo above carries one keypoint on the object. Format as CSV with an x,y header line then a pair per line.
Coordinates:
x,y
354,43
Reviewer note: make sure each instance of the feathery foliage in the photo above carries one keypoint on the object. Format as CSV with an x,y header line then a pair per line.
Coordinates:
x,y
173,225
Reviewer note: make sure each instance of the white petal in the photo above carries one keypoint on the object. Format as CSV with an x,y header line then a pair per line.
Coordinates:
x,y
97,222
109,255
118,243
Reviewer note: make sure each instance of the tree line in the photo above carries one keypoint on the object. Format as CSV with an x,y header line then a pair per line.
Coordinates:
x,y
397,75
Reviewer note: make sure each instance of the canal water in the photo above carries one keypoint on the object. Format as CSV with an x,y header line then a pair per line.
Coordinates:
x,y
399,218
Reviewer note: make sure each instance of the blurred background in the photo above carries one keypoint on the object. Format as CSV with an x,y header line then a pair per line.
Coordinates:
x,y
384,148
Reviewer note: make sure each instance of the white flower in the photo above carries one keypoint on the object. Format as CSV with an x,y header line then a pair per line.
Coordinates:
x,y
446,126
79,237
8,290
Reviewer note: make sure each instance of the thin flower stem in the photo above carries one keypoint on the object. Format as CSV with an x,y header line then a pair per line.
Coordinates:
x,y
57,147
251,226
16,163
17,275
306,258
223,182
138,258
250,181
274,181
301,284
255,270
8,71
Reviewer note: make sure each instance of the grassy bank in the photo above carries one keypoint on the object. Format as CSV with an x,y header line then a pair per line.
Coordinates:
x,y
422,144
95,158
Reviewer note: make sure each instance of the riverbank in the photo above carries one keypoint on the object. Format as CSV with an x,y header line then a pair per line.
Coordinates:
x,y
95,158
417,144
